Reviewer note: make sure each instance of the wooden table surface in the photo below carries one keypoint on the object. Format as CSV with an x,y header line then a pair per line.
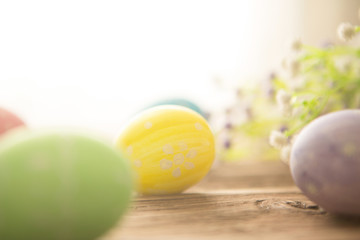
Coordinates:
x,y
246,200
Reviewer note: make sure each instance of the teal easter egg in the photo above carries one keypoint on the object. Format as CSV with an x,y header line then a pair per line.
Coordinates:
x,y
60,186
180,102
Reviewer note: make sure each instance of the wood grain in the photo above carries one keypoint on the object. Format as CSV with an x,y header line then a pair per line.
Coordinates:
x,y
235,201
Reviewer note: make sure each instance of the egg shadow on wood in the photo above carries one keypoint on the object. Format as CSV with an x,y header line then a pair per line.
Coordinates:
x,y
352,222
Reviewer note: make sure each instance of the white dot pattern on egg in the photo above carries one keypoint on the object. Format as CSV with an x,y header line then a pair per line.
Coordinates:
x,y
183,146
198,126
168,149
206,143
179,159
191,154
176,172
165,164
189,165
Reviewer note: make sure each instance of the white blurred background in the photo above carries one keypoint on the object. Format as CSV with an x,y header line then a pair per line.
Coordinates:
x,y
93,64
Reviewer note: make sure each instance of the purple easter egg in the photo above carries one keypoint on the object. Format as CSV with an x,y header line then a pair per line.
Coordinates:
x,y
325,162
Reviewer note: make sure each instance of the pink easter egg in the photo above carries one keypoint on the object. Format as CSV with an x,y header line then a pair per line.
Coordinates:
x,y
9,121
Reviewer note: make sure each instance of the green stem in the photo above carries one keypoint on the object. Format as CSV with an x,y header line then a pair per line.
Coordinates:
x,y
315,115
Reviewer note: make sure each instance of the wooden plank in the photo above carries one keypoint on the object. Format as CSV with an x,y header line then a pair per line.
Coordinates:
x,y
245,175
222,207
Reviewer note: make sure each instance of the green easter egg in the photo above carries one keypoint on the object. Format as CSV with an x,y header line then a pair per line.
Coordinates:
x,y
60,186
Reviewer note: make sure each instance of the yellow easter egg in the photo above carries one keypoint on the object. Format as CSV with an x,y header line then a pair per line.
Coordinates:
x,y
171,148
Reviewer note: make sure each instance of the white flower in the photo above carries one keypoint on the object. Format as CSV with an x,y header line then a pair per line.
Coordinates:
x,y
343,64
277,139
284,101
283,98
294,67
346,31
285,154
296,45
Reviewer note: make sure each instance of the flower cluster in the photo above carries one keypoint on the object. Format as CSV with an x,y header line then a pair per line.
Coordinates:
x,y
321,81
313,81
347,31
283,99
242,127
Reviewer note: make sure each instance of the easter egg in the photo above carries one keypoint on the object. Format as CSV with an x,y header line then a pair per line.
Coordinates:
x,y
9,121
180,102
170,147
325,162
60,185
